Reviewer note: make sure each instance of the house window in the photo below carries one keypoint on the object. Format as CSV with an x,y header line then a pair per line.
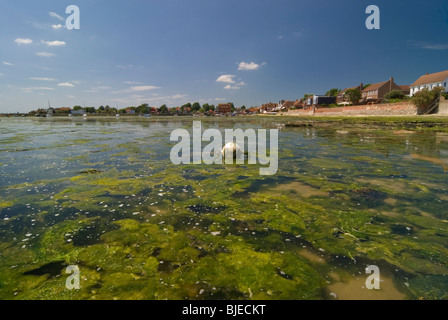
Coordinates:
x,y
445,85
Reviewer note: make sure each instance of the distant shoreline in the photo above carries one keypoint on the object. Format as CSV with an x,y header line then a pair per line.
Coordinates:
x,y
411,122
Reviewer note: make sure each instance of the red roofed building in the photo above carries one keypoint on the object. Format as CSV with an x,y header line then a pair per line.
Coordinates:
x,y
430,81
224,108
379,90
340,98
406,90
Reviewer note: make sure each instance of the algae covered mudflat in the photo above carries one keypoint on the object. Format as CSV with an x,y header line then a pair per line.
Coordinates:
x,y
104,196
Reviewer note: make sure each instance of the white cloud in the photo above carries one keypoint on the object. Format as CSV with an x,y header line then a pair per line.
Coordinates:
x,y
142,88
226,78
66,84
229,87
244,66
432,46
37,88
45,54
137,89
129,66
20,41
55,15
57,26
96,89
54,43
7,63
43,79
131,82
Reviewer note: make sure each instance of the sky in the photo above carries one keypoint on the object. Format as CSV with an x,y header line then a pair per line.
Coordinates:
x,y
248,52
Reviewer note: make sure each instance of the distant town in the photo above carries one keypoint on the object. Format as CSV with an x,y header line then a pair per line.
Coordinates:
x,y
424,94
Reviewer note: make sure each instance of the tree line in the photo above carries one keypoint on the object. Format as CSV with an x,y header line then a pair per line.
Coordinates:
x,y
147,109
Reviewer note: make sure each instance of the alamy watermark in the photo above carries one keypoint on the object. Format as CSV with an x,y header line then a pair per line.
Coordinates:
x,y
373,281
72,282
373,21
74,20
189,149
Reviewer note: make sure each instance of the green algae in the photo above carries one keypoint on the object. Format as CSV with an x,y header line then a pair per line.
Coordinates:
x,y
139,227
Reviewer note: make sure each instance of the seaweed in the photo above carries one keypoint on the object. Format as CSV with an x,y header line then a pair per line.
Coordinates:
x,y
346,195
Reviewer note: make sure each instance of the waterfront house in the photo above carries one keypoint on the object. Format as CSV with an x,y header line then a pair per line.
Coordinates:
x,y
430,81
377,91
268,107
406,90
340,98
224,108
78,112
285,105
317,101
254,110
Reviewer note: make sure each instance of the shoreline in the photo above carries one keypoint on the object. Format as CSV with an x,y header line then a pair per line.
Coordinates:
x,y
411,122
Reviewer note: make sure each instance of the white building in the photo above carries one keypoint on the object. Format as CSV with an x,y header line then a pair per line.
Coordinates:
x,y
430,81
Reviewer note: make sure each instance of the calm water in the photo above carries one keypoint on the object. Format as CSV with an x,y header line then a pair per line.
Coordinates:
x,y
104,196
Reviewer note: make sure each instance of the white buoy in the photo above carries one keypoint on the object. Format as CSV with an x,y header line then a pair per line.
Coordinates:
x,y
234,148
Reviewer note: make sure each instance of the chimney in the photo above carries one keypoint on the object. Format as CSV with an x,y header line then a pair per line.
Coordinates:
x,y
391,82
361,87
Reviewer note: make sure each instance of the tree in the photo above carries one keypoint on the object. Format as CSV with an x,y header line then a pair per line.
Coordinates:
x,y
101,108
333,92
185,106
196,107
163,109
143,108
76,108
307,96
205,108
243,107
394,94
353,95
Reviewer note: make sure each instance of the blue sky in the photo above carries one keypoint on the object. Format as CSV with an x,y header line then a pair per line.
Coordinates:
x,y
175,51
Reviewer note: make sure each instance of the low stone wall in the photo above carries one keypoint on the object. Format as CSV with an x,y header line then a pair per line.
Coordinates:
x,y
443,106
391,109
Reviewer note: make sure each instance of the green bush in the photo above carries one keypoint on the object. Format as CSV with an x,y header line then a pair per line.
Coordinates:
x,y
394,94
353,95
424,98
